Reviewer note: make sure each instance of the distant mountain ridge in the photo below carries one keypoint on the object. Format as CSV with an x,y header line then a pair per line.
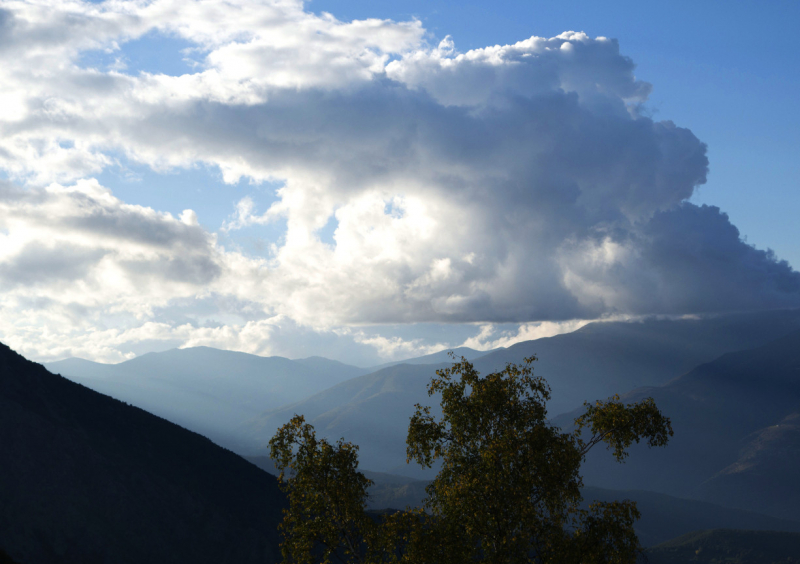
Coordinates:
x,y
87,479
592,363
438,357
208,390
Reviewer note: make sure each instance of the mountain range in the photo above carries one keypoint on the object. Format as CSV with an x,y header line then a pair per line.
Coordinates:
x,y
730,384
595,362
88,478
239,400
210,391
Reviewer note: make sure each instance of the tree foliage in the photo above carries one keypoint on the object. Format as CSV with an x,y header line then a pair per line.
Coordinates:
x,y
508,490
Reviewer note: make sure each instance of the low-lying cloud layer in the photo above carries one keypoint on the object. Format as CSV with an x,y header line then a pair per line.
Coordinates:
x,y
512,184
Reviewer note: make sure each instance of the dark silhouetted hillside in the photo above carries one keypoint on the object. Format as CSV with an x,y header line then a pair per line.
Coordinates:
x,y
87,479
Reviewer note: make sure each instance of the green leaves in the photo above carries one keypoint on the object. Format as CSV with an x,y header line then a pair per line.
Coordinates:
x,y
326,520
508,490
620,425
606,534
507,476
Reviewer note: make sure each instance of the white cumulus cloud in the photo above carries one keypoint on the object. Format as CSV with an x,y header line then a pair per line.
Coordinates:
x,y
517,183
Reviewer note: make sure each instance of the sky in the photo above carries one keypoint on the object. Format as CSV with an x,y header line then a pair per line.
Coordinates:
x,y
369,181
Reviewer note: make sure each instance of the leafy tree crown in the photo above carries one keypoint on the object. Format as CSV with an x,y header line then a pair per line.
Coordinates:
x,y
508,490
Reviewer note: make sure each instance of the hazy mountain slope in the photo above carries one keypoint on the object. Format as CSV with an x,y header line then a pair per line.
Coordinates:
x,y
598,360
371,411
722,413
80,366
208,390
729,546
87,479
330,370
437,357
764,476
602,359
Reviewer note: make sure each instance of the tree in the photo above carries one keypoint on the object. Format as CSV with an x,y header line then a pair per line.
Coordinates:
x,y
326,520
508,490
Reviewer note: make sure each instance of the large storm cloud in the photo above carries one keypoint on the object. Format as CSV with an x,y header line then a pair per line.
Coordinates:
x,y
515,183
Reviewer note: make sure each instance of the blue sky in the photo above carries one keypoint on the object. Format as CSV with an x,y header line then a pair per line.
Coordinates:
x,y
371,189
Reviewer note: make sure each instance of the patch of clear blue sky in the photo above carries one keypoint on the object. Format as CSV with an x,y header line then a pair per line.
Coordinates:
x,y
200,189
729,71
153,52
